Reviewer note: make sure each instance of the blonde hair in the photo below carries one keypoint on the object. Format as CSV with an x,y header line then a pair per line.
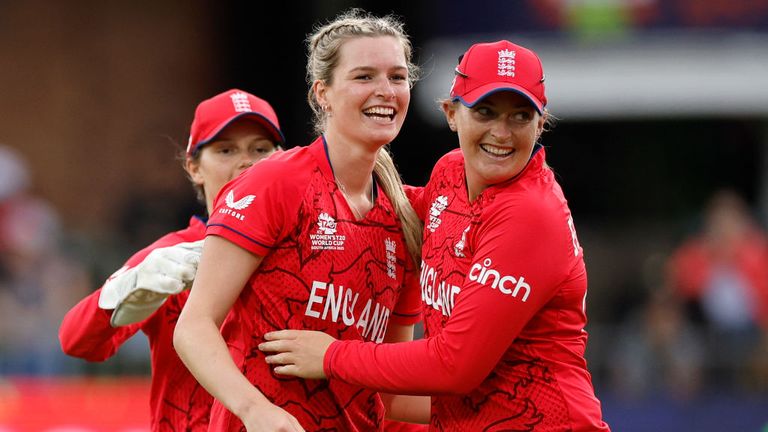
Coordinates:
x,y
389,180
323,56
324,44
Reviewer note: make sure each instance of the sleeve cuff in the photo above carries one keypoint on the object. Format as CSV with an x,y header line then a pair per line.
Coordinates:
x,y
406,318
330,353
241,239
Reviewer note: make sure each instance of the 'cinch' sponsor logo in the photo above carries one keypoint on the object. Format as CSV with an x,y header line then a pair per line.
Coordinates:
x,y
510,285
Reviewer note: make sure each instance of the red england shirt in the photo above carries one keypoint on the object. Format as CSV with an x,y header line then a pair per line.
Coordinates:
x,y
503,288
322,270
177,401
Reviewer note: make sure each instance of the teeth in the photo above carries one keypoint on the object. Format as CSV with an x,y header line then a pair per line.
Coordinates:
x,y
385,111
497,151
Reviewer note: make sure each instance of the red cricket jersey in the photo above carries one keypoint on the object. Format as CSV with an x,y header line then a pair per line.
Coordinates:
x,y
177,401
322,270
503,288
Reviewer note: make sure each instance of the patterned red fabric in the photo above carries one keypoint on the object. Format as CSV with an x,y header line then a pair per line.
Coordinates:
x,y
322,270
503,285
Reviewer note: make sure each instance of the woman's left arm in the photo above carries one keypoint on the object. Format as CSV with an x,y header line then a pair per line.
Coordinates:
x,y
406,408
484,322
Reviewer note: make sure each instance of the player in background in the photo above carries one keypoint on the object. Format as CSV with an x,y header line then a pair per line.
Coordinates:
x,y
503,280
229,133
328,247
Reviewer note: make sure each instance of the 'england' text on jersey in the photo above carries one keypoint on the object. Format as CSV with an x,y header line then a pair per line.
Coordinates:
x,y
438,294
341,302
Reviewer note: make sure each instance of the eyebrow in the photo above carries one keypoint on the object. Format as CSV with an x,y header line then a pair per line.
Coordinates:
x,y
234,141
371,68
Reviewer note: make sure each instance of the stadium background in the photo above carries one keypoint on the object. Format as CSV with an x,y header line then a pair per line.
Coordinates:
x,y
660,105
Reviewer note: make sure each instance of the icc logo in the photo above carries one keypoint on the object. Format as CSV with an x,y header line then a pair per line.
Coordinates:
x,y
326,224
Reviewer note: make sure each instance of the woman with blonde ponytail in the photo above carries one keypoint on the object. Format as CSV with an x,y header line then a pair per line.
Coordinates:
x,y
320,237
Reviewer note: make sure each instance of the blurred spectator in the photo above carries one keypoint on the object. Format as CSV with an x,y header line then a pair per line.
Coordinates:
x,y
721,273
14,176
37,283
658,352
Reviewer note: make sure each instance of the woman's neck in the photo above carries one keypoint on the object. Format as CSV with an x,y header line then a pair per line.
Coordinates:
x,y
352,164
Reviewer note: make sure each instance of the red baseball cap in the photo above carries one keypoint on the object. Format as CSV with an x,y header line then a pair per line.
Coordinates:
x,y
214,114
487,68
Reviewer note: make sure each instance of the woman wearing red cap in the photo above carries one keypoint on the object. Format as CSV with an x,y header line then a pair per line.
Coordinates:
x,y
229,133
503,281
312,238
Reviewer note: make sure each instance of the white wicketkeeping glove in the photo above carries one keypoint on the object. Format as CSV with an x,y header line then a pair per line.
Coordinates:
x,y
135,293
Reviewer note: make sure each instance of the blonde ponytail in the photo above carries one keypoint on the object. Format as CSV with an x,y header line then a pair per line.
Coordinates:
x,y
389,180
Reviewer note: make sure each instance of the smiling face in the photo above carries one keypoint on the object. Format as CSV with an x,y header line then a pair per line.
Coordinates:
x,y
496,136
236,147
369,93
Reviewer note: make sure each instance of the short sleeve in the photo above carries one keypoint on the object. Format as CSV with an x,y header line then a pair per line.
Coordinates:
x,y
257,209
408,307
415,196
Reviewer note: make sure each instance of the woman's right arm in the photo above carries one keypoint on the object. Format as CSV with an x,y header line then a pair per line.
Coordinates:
x,y
223,271
89,331
85,331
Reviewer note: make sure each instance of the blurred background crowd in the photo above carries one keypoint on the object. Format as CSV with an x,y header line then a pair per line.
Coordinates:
x,y
661,147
